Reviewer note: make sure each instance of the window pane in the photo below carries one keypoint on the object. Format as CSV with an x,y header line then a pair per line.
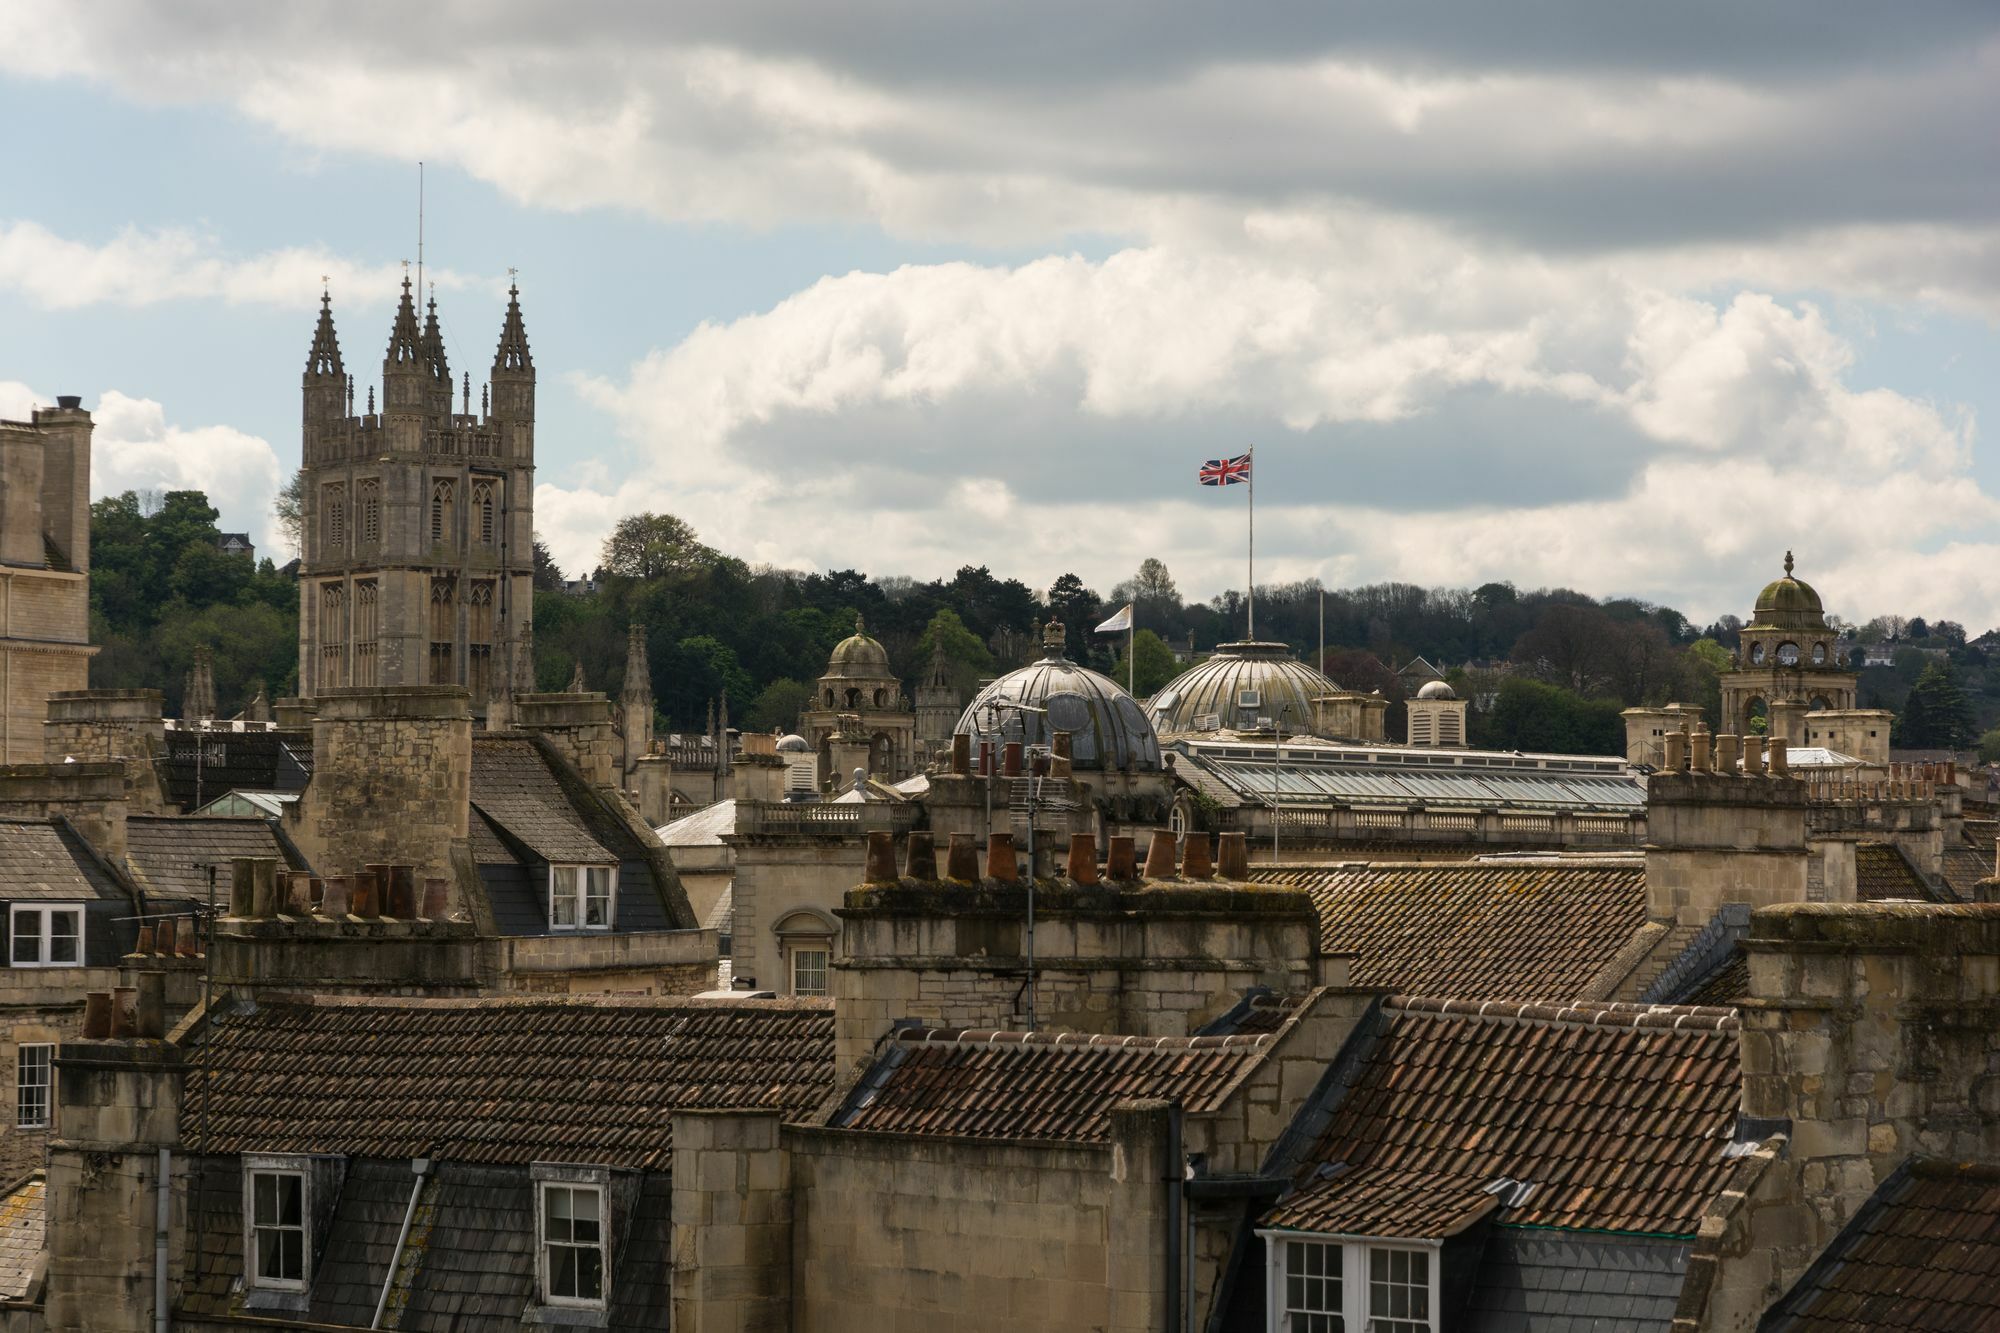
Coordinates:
x,y
597,901
290,1188
34,1070
63,937
590,1274
264,1191
1399,1292
27,935
562,901
562,1271
1312,1288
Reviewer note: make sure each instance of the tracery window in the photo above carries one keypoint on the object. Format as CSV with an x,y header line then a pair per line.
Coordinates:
x,y
371,511
443,497
482,505
333,509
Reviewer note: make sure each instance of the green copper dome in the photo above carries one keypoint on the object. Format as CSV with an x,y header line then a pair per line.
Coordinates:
x,y
858,656
1789,603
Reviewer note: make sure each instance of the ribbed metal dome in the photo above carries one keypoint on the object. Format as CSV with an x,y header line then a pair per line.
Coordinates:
x,y
1106,725
1209,695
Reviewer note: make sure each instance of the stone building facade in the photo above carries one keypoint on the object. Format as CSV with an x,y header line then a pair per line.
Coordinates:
x,y
44,570
418,560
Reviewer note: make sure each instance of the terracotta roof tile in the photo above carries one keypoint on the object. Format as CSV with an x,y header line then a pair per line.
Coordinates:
x,y
1920,1254
1043,1085
1528,930
1615,1114
590,1078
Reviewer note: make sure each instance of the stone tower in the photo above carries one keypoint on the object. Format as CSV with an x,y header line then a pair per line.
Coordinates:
x,y
1787,664
938,706
418,562
44,570
859,694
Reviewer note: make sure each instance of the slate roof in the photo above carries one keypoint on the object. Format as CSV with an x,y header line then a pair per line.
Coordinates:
x,y
164,851
1965,864
44,860
514,786
1040,1085
1881,872
1521,930
258,759
1920,1254
498,1080
1531,1281
1724,986
469,1262
23,1223
1617,1114
703,828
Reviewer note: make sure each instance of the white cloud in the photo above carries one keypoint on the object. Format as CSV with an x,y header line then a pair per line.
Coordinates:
x,y
1036,418
139,268
134,448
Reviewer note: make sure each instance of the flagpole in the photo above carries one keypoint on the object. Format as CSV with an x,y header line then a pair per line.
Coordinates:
x,y
1131,649
1251,454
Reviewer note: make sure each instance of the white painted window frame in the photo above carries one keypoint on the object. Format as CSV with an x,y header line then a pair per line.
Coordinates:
x,y
45,912
824,948
46,1063
579,896
1353,1274
596,1180
301,1168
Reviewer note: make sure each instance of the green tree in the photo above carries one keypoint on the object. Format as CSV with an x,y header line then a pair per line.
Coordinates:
x,y
1152,664
548,574
1989,747
288,507
966,655
1532,715
778,705
1937,714
652,546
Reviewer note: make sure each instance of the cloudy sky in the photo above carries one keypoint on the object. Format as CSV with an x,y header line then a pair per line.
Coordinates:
x,y
1630,299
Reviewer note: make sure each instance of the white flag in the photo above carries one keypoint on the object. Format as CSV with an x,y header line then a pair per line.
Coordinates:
x,y
1123,620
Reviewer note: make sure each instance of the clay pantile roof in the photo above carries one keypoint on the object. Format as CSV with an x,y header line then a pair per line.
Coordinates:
x,y
1040,1085
23,1222
514,786
1616,1114
1881,872
165,851
1527,930
514,1080
43,860
1920,1254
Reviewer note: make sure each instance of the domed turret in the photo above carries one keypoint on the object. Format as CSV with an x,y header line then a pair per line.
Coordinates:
x,y
1107,728
1788,603
1437,689
858,656
1239,685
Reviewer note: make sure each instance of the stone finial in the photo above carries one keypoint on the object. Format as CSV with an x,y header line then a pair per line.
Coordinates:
x,y
1788,564
1054,638
576,685
198,692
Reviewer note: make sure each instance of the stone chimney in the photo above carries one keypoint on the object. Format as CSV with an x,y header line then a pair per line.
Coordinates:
x,y
635,705
123,726
392,775
1867,1042
1719,837
119,1090
579,725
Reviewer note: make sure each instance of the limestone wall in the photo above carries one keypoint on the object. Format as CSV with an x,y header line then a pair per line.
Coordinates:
x,y
1161,960
904,1231
1713,838
391,781
1869,1037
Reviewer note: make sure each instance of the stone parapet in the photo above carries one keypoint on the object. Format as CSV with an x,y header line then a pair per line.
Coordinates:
x,y
376,956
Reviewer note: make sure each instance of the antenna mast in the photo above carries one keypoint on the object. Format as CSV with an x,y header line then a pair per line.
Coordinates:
x,y
420,226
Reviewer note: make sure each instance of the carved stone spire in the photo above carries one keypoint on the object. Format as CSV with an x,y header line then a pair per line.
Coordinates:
x,y
198,693
324,358
513,353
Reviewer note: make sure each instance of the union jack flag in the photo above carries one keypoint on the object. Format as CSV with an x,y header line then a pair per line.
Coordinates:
x,y
1225,471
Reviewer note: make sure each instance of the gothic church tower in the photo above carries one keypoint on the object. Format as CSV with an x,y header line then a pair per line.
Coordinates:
x,y
418,558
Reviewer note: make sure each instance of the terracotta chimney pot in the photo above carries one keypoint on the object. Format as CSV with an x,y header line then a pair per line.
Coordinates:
x,y
1010,760
145,944
961,753
97,1015
1000,860
1232,856
1083,858
962,859
437,897
337,897
1160,855
124,1011
1196,861
920,858
1121,860
881,857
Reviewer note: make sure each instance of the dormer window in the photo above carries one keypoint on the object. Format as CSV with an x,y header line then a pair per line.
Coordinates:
x,y
574,1234
582,897
47,935
275,1210
1327,1286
